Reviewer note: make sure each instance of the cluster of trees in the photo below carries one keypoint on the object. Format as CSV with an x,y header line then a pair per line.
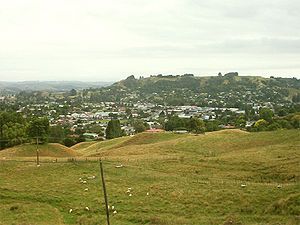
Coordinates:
x,y
14,129
63,135
192,124
268,122
265,120
139,125
114,130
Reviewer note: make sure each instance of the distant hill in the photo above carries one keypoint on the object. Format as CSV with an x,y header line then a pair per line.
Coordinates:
x,y
189,89
13,87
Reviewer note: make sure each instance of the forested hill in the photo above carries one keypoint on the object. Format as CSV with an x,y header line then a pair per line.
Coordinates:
x,y
228,90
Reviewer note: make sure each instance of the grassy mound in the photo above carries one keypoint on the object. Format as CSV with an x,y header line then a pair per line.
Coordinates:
x,y
150,138
82,145
89,150
45,150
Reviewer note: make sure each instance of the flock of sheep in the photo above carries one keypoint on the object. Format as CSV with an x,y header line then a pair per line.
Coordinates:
x,y
110,208
129,192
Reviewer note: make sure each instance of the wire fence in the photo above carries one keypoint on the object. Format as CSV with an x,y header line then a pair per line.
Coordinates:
x,y
118,165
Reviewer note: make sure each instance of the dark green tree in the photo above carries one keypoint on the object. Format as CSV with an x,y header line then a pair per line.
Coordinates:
x,y
266,114
73,92
69,142
12,129
140,126
113,129
196,125
175,123
56,134
162,114
39,128
4,119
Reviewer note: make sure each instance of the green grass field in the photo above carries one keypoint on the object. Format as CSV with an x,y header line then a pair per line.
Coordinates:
x,y
224,177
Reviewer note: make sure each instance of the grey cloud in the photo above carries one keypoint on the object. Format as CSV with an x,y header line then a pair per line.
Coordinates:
x,y
92,38
249,46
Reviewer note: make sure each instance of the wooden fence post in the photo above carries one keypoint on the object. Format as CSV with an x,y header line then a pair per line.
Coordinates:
x,y
104,191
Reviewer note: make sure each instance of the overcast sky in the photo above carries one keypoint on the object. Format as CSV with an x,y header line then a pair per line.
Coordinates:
x,y
97,40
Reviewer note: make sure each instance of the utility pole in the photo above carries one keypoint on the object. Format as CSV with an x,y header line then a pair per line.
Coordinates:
x,y
104,191
37,152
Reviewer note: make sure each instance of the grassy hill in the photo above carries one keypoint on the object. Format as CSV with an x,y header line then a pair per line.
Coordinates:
x,y
82,145
45,150
194,90
224,177
90,150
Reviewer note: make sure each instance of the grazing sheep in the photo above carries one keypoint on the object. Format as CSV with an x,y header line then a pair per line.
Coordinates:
x,y
92,177
71,210
86,189
84,182
128,191
112,207
115,212
119,166
147,193
130,195
87,208
279,186
243,185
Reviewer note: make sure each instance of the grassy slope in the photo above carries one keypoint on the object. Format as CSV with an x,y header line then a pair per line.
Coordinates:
x,y
82,145
29,150
99,146
191,180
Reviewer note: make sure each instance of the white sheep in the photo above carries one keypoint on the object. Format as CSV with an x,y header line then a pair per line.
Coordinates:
x,y
115,212
130,195
71,210
112,207
87,208
243,185
86,189
147,193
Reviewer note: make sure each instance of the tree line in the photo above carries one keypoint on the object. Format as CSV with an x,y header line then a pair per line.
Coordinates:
x,y
15,129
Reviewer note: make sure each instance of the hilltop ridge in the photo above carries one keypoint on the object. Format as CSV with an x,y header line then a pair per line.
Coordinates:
x,y
188,89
